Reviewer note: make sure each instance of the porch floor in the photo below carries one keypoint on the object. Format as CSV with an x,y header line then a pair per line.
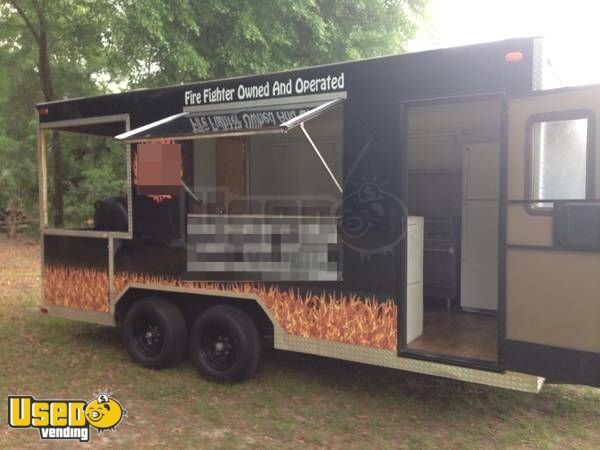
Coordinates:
x,y
460,334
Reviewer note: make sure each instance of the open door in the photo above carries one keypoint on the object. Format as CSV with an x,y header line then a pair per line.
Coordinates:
x,y
552,264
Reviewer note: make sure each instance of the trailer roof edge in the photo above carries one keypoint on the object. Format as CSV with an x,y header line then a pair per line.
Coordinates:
x,y
297,69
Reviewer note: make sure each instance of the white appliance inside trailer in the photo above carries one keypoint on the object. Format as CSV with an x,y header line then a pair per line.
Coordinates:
x,y
479,240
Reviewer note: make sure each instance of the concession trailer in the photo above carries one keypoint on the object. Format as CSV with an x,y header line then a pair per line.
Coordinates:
x,y
434,212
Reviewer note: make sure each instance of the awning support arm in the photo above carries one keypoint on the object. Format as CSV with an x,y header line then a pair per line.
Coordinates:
x,y
308,138
310,114
188,190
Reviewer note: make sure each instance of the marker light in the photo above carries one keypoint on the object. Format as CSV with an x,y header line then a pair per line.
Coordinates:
x,y
513,57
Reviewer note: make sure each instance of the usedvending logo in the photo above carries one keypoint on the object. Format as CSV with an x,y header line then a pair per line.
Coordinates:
x,y
65,419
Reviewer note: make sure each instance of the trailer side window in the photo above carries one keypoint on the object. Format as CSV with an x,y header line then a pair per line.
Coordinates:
x,y
558,155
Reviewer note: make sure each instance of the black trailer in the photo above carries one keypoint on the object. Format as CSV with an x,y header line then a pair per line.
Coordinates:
x,y
432,212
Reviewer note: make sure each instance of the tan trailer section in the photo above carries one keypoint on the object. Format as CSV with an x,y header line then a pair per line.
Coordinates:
x,y
552,258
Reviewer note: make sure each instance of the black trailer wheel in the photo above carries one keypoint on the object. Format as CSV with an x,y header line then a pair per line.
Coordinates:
x,y
224,344
155,333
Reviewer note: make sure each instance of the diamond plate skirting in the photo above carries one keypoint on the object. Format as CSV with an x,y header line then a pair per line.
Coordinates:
x,y
388,358
366,355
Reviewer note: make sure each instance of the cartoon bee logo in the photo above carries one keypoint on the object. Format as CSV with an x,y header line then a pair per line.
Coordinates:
x,y
104,413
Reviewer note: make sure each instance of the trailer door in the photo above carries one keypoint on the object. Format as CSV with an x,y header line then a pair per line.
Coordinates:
x,y
552,217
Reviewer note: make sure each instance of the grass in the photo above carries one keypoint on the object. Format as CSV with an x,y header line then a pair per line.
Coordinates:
x,y
295,401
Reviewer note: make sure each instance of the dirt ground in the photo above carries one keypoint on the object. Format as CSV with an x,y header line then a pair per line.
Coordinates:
x,y
295,401
19,268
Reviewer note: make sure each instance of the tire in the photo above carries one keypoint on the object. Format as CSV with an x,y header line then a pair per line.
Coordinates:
x,y
166,344
224,344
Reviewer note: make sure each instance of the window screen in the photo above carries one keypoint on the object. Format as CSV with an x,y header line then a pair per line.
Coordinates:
x,y
559,161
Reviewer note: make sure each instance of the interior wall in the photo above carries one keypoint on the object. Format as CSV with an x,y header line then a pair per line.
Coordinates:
x,y
478,121
435,174
281,167
286,164
435,195
205,158
437,135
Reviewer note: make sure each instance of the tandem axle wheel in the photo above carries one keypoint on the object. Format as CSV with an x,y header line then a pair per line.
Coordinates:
x,y
223,341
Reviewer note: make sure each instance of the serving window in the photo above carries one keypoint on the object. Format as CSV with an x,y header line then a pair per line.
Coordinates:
x,y
282,159
263,195
85,185
278,174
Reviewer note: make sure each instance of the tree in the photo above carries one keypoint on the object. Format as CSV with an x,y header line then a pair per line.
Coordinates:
x,y
18,183
60,40
188,41
51,49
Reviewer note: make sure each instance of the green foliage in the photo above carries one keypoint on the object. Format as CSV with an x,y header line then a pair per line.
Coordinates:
x,y
98,45
74,54
94,170
9,175
187,41
18,174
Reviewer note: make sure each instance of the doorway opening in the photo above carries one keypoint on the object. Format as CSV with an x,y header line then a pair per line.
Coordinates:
x,y
453,183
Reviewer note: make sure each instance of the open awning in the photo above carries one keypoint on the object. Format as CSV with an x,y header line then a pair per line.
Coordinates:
x,y
236,122
232,122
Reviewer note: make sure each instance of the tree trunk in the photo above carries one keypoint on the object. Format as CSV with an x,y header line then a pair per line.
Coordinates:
x,y
11,227
57,180
49,95
40,34
13,215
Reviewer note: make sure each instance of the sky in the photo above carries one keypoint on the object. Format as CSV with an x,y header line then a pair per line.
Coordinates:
x,y
571,30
